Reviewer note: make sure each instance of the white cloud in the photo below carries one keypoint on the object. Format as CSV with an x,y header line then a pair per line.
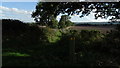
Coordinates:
x,y
0,11
15,10
92,18
2,15
4,8
15,13
96,20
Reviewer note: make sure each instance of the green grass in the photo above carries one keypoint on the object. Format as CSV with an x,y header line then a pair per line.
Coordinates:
x,y
14,54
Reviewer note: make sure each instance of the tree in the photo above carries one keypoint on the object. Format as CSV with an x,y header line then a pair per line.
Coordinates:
x,y
69,23
44,10
64,21
53,23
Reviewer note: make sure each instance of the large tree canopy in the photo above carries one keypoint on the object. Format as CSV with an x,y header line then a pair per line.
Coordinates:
x,y
45,10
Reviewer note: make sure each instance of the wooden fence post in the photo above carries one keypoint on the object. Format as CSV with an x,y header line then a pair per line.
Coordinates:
x,y
72,50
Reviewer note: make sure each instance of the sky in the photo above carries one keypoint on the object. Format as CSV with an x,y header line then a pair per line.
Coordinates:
x,y
17,10
23,10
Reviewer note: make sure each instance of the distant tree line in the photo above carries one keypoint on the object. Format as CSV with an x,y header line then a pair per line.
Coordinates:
x,y
91,24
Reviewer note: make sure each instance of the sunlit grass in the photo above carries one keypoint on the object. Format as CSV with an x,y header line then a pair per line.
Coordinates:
x,y
14,54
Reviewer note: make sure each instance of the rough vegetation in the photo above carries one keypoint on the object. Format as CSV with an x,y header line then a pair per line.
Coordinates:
x,y
29,45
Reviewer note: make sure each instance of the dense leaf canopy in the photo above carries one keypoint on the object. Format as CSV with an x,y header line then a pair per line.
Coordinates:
x,y
45,10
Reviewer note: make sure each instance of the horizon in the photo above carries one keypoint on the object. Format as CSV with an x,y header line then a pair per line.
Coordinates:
x,y
106,22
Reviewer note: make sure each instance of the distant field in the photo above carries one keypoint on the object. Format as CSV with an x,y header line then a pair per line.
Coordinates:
x,y
102,29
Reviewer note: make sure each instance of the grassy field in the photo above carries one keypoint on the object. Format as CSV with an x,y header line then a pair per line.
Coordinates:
x,y
102,29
